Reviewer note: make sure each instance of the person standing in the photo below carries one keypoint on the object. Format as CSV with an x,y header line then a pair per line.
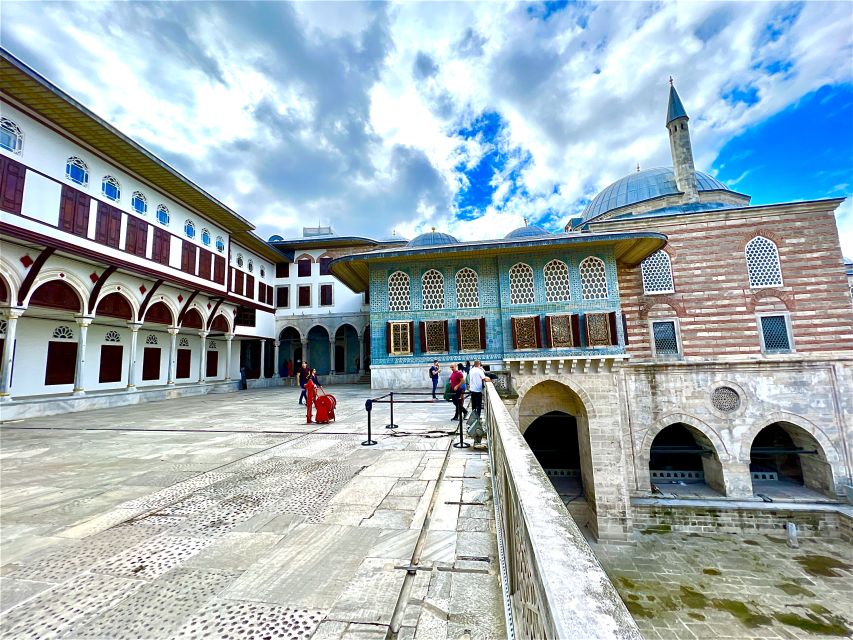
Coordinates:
x,y
457,385
467,366
476,377
309,390
434,370
304,374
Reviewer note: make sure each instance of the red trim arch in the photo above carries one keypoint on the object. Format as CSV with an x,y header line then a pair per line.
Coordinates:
x,y
115,305
56,294
192,320
159,313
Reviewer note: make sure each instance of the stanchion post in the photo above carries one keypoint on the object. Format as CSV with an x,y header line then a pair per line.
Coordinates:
x,y
392,425
462,444
368,405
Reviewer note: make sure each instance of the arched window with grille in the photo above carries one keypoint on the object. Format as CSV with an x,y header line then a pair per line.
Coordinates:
x,y
762,263
399,298
521,284
557,287
139,202
593,279
432,290
467,293
111,188
77,171
657,273
11,136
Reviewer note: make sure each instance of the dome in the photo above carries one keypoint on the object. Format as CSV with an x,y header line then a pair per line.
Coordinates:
x,y
526,232
276,239
644,185
432,239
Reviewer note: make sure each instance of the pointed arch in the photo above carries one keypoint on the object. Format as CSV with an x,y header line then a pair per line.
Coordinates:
x,y
193,319
762,263
116,304
432,289
221,323
79,287
521,289
593,279
557,286
399,295
467,289
161,313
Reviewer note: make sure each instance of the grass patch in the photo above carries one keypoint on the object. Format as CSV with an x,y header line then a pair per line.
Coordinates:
x,y
693,599
711,572
833,628
825,566
740,611
794,589
658,528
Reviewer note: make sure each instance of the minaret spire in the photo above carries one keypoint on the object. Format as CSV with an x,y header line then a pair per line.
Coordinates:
x,y
680,147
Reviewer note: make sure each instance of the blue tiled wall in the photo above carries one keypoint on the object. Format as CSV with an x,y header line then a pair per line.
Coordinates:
x,y
493,274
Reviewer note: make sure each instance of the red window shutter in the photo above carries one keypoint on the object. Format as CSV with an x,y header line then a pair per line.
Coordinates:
x,y
141,238
549,342
250,287
102,224
483,334
61,362
388,337
514,334
412,337
110,369
115,228
219,269
151,363
212,364
281,297
12,185
188,254
130,235
204,263
422,332
161,246
446,336
81,215
182,370
625,328
238,282
538,324
67,206
576,330
269,295
282,269
611,319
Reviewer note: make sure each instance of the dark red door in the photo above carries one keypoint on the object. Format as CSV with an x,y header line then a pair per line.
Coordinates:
x,y
61,362
183,365
212,364
151,363
110,370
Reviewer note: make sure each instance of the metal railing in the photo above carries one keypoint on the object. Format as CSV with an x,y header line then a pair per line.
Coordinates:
x,y
553,585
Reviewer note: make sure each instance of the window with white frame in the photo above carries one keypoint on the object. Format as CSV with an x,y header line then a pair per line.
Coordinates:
x,y
521,284
657,273
593,279
467,295
557,287
11,136
775,331
665,338
399,298
189,229
762,263
111,188
205,237
220,244
139,203
432,290
163,215
401,339
77,171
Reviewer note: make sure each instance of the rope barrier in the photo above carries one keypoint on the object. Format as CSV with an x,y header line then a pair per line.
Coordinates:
x,y
368,406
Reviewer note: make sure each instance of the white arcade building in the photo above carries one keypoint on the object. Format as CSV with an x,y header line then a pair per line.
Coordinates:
x,y
120,279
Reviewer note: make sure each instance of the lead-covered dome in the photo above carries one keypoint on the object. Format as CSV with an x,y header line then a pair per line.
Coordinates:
x,y
644,185
432,239
526,232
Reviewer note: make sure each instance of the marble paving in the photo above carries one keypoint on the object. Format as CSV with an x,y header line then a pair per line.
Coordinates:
x,y
227,516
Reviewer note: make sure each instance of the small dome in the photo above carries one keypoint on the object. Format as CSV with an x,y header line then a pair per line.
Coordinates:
x,y
644,185
432,239
276,239
526,232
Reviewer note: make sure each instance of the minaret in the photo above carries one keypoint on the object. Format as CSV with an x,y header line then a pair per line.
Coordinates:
x,y
679,144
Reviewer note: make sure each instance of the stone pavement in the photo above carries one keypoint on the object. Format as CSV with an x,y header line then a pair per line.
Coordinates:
x,y
226,516
683,586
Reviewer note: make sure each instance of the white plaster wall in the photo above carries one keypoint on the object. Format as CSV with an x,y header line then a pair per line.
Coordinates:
x,y
343,299
163,344
32,338
94,340
41,198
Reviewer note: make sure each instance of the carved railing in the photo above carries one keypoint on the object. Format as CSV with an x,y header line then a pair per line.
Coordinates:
x,y
553,585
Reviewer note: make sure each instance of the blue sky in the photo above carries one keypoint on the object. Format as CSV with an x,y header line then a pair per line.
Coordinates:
x,y
379,118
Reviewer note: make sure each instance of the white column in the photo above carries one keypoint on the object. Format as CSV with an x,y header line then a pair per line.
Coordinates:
x,y
12,316
360,354
202,361
263,373
173,354
305,352
331,357
131,365
83,323
276,375
228,338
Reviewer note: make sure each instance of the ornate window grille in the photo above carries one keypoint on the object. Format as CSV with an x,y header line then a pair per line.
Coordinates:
x,y
151,339
183,342
557,287
77,171
111,188
657,273
205,237
112,336
467,294
434,336
163,215
189,229
665,336
11,136
220,244
262,272
240,260
250,266
469,334
433,290
399,298
593,279
762,263
139,202
211,345
725,399
521,284
561,331
63,332
401,339
525,332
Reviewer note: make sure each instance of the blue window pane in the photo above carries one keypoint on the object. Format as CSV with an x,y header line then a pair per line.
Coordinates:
x,y
8,140
111,191
205,237
139,205
666,342
189,229
220,245
775,331
162,216
77,174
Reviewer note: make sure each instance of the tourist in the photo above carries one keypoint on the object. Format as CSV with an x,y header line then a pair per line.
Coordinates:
x,y
467,366
304,374
434,370
315,379
309,391
457,384
476,377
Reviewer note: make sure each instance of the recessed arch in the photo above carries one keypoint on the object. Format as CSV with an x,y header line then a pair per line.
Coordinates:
x,y
192,319
115,305
220,324
80,289
160,313
290,332
5,290
680,455
56,294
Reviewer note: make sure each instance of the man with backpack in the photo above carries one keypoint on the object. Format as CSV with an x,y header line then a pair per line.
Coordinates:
x,y
433,374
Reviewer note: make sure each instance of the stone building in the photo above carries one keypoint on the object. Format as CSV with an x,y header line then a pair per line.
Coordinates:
x,y
673,341
120,280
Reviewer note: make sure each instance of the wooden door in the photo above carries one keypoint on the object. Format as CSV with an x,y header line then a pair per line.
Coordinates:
x,y
212,364
110,367
151,363
183,365
61,362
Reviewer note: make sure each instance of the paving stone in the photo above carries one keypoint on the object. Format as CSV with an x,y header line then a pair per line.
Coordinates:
x,y
235,551
14,591
372,593
226,619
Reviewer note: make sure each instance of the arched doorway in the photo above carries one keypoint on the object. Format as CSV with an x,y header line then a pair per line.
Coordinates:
x,y
683,461
52,307
318,350
289,350
553,420
786,460
346,349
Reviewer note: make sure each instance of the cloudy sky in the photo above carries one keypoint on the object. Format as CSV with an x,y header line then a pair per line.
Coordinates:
x,y
379,117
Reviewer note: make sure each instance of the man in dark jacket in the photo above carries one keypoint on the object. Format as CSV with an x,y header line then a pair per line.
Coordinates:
x,y
304,374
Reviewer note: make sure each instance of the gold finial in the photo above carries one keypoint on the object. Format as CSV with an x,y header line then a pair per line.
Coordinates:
x,y
433,229
638,167
526,222
670,81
